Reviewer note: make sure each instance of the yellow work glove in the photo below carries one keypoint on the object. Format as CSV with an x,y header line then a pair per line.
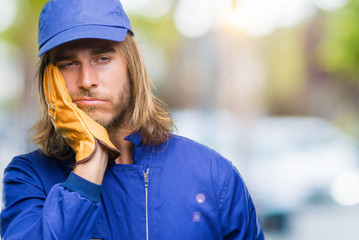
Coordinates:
x,y
79,130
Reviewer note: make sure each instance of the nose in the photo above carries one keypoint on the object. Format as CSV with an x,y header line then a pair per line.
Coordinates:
x,y
87,77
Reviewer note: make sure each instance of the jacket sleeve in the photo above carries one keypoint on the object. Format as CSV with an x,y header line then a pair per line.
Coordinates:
x,y
68,211
238,215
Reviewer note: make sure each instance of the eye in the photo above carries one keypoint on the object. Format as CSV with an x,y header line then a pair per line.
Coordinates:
x,y
66,65
103,60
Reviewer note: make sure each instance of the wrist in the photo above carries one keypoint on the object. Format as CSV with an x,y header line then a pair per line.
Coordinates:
x,y
94,169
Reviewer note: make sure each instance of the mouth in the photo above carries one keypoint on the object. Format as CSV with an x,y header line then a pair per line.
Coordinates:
x,y
89,101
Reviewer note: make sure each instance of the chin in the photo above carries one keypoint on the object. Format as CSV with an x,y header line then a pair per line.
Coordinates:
x,y
104,122
100,119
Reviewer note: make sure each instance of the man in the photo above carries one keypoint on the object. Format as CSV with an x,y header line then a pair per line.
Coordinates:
x,y
108,165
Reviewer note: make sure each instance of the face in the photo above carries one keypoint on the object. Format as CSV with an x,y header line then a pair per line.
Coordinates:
x,y
95,74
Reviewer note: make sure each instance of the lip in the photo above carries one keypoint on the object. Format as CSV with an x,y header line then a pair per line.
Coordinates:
x,y
89,101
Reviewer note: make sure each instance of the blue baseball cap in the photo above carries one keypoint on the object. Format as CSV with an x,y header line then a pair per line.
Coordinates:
x,y
63,21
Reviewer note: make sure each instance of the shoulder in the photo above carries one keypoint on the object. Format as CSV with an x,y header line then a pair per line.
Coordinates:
x,y
29,158
27,162
203,167
185,146
37,161
194,156
37,168
181,143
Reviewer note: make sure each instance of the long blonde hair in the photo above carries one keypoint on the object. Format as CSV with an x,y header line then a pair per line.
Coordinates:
x,y
148,114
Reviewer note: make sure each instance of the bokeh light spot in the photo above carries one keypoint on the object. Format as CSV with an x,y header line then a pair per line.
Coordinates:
x,y
193,18
345,189
196,217
330,5
200,198
7,13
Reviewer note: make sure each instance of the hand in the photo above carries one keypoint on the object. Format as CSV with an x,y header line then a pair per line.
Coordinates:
x,y
79,130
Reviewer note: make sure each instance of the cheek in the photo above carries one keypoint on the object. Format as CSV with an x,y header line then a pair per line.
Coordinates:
x,y
70,83
117,89
116,80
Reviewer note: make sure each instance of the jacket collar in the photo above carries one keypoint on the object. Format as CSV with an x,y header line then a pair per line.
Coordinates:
x,y
140,150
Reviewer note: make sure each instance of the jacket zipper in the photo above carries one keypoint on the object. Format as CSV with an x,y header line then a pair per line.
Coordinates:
x,y
145,174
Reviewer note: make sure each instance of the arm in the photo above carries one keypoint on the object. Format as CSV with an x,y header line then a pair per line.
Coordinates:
x,y
238,215
94,169
69,210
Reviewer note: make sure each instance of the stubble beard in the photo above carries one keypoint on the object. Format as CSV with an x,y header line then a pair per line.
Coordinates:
x,y
119,111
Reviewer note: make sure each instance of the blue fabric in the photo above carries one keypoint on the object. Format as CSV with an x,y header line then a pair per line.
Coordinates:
x,y
83,187
193,193
62,21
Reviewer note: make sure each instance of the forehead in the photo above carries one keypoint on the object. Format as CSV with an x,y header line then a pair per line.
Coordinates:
x,y
73,47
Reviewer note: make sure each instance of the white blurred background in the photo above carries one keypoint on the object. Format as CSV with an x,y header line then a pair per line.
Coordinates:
x,y
270,84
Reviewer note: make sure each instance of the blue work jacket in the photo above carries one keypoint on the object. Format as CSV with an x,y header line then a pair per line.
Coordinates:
x,y
178,190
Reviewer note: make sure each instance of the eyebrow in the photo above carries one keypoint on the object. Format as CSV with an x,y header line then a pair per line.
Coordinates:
x,y
63,57
103,50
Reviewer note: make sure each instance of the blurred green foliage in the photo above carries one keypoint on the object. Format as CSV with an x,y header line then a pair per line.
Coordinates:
x,y
160,30
285,56
339,50
23,30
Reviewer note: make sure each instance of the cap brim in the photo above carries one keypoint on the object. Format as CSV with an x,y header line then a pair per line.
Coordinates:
x,y
88,31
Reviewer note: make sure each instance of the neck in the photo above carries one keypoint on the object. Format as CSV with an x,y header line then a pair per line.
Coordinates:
x,y
126,147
